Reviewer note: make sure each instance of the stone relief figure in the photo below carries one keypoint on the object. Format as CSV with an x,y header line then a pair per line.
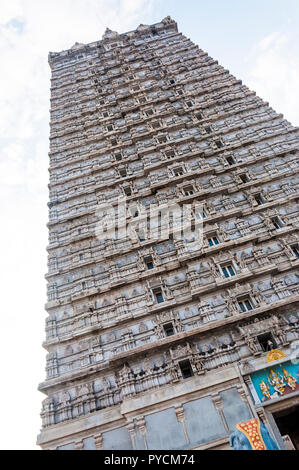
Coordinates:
x,y
278,330
109,34
239,260
257,295
167,290
140,263
197,364
142,327
155,256
125,372
147,365
223,234
48,404
286,248
230,304
83,390
213,268
252,435
65,398
105,384
252,343
268,223
167,20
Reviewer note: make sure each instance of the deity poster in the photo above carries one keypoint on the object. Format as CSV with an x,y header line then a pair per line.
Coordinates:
x,y
276,381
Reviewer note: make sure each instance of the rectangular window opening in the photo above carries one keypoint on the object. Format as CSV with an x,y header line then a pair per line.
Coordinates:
x,y
213,240
168,329
267,342
277,222
149,262
158,295
245,304
186,369
228,270
295,250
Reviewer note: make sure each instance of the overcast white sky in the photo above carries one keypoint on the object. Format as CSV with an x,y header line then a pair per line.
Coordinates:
x,y
257,40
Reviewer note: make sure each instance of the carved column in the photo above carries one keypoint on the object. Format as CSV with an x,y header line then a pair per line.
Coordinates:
x,y
79,445
141,424
179,411
216,398
131,429
98,440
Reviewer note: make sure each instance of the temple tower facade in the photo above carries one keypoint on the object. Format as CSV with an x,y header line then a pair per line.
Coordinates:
x,y
161,339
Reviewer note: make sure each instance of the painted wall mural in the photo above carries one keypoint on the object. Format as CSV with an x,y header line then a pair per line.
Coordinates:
x,y
276,381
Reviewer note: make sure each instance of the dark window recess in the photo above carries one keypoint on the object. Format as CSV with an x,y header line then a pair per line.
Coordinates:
x,y
169,153
178,171
200,116
259,199
113,142
213,240
244,178
201,215
168,329
228,270
189,104
109,128
158,295
276,221
219,144
172,82
128,191
186,369
245,304
149,262
118,156
295,250
267,342
208,130
156,125
188,190
123,172
230,160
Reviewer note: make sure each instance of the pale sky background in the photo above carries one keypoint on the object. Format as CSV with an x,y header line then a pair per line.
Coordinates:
x,y
257,40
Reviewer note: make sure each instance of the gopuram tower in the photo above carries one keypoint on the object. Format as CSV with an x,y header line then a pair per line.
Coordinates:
x,y
159,337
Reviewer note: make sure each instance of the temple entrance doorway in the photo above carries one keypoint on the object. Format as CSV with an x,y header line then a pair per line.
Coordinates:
x,y
287,422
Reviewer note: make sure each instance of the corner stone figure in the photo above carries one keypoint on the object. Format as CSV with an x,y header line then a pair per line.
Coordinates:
x,y
252,435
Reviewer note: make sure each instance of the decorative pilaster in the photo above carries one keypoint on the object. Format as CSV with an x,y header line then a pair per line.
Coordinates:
x,y
179,411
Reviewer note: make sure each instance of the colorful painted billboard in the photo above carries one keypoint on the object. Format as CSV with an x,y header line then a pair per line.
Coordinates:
x,y
276,381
